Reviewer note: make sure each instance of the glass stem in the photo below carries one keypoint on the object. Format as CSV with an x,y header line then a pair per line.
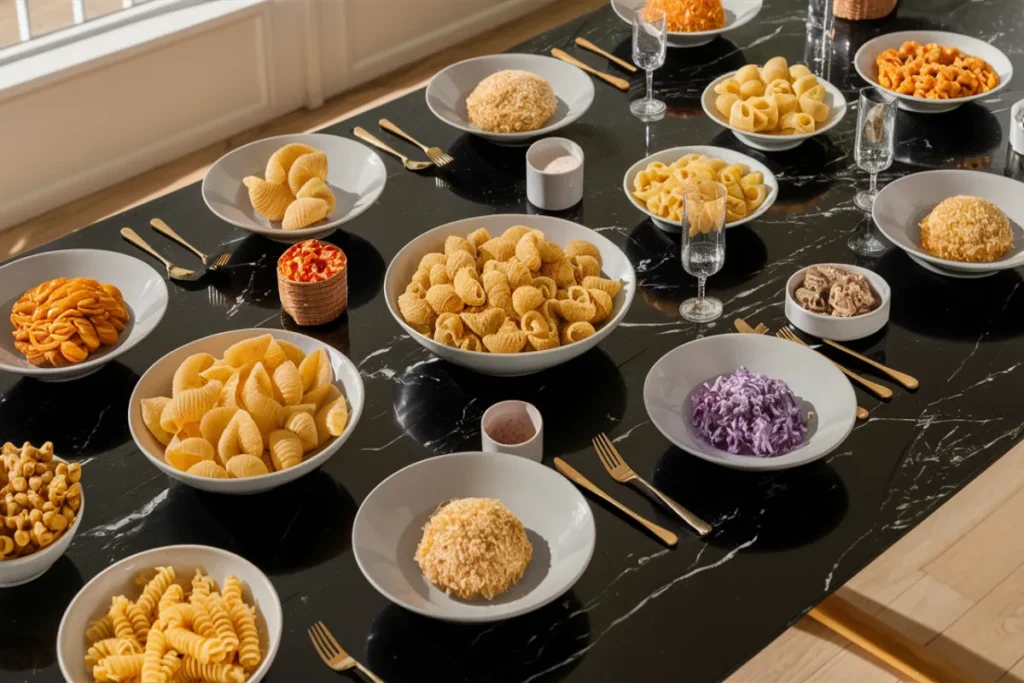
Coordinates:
x,y
701,280
874,184
650,85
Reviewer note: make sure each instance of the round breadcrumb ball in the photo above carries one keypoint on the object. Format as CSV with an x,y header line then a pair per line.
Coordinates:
x,y
968,229
474,547
511,101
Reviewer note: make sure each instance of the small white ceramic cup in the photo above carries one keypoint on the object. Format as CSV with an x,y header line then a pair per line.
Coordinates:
x,y
559,188
515,428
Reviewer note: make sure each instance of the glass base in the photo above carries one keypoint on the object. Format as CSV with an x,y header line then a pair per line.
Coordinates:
x,y
865,200
864,243
648,110
701,310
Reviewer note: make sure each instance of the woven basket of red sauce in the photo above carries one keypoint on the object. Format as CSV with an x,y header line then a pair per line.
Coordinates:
x,y
312,280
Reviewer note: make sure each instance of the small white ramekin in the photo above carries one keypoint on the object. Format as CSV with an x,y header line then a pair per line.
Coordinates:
x,y
553,191
839,329
532,448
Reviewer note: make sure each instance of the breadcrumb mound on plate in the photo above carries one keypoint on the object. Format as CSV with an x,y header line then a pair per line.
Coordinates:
x,y
966,229
511,101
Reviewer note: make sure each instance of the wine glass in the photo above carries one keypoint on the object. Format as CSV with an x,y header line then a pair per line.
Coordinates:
x,y
649,41
876,123
703,244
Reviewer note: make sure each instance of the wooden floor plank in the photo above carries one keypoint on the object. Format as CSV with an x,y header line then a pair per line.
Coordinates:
x,y
927,609
854,665
793,657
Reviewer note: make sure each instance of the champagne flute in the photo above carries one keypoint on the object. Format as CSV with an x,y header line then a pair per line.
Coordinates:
x,y
876,124
649,43
703,244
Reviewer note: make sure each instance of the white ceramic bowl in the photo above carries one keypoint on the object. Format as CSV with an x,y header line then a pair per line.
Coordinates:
x,y
737,13
902,204
157,382
669,156
389,525
143,288
615,266
816,382
864,62
448,89
767,142
839,329
93,601
355,174
31,567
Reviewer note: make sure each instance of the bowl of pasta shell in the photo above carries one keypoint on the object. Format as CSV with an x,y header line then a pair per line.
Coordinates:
x,y
509,294
245,411
774,107
182,612
654,184
700,30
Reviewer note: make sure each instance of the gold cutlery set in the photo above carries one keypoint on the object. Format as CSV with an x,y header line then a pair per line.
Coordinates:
x,y
436,155
333,654
620,83
211,263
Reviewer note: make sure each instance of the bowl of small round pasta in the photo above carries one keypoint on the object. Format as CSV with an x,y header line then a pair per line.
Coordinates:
x,y
184,612
245,411
655,183
509,294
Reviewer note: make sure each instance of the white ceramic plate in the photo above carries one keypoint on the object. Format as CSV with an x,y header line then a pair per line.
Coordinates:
x,y
816,382
157,382
737,13
775,143
839,329
669,156
389,525
864,61
615,266
93,601
355,174
143,288
902,204
448,89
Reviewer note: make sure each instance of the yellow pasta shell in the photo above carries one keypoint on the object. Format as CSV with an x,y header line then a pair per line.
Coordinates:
x,y
485,322
602,303
188,452
219,372
248,433
243,465
724,102
209,469
287,383
775,68
505,342
285,449
318,189
310,165
303,213
190,405
478,236
471,342
468,287
518,274
281,161
337,417
612,287
293,352
575,332
454,243
415,310
438,275
528,251
247,351
325,393
274,355
214,422
525,299
561,272
269,200
497,248
151,411
316,371
187,375
456,261
444,299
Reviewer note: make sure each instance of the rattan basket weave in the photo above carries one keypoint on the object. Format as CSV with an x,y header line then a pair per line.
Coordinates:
x,y
858,10
314,303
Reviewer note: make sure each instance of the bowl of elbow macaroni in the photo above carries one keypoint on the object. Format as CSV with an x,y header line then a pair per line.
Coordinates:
x,y
509,294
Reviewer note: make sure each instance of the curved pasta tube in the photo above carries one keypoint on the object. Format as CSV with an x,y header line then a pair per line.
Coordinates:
x,y
779,86
578,307
612,287
817,110
539,333
187,375
755,195
767,106
155,588
119,667
798,122
745,118
505,341
203,650
575,332
729,86
518,274
735,208
444,299
448,330
724,102
526,298
454,243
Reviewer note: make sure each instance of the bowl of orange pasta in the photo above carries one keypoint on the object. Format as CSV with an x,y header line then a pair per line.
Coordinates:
x,y
184,612
509,294
245,411
931,72
692,23
655,183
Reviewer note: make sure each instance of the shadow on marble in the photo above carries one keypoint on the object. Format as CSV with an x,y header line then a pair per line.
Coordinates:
x,y
32,613
250,279
403,647
366,267
334,333
440,405
916,136
784,510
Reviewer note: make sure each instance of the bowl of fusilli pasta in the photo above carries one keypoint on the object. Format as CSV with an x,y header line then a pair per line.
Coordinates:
x,y
509,294
655,183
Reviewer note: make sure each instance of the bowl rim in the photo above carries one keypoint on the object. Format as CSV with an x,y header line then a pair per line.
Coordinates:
x,y
523,135
609,325
885,296
67,536
162,296
903,36
274,638
479,455
312,231
837,97
238,485
769,201
701,34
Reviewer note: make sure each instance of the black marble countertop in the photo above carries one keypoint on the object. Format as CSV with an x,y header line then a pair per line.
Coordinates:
x,y
782,541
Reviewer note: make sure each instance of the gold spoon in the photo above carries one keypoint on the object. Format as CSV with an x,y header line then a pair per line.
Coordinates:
x,y
365,135
174,272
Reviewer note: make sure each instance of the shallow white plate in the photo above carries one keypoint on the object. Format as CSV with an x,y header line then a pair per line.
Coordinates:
x,y
737,13
389,525
157,382
902,204
93,601
864,61
818,385
839,329
615,266
143,288
775,143
669,156
448,89
355,174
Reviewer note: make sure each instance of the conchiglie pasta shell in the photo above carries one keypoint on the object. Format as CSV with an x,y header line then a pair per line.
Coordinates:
x,y
151,410
485,322
303,213
188,452
578,247
454,243
214,423
723,103
288,411
526,298
415,310
243,466
209,469
546,285
515,233
478,236
438,275
586,266
471,342
318,189
293,352
281,161
306,167
430,260
746,73
287,383
337,417
221,373
322,395
285,449
249,434
192,404
187,375
458,260
775,68
505,342
247,351
268,200
613,287
316,370
468,287
304,427
602,303
528,252
444,299
274,355
261,407
551,252
575,332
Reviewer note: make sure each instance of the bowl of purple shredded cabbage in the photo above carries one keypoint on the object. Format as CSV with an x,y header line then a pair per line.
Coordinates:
x,y
750,401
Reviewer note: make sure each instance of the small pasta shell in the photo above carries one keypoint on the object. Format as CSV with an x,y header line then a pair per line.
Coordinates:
x,y
285,449
584,266
274,355
247,351
209,469
281,161
561,272
214,422
575,332
243,465
337,417
151,411
528,252
287,383
471,342
316,370
294,353
602,303
478,236
432,259
454,243
304,427
188,452
505,342
438,275
458,260
578,307
467,285
515,233
303,213
191,404
497,248
546,285
485,322
612,287
221,373
248,433
551,252
415,310
288,411
268,200
318,189
526,298
444,298
306,167
321,395
579,247
518,274
187,375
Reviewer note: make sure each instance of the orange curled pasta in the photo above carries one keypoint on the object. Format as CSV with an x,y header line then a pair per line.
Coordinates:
x,y
468,287
444,299
578,307
575,332
485,322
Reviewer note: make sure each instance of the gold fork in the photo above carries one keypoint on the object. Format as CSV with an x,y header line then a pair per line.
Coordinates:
x,y
623,473
873,387
435,154
333,654
173,272
761,329
211,263
408,163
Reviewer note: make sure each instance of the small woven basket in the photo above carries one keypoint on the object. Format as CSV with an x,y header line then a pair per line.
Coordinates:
x,y
862,10
314,303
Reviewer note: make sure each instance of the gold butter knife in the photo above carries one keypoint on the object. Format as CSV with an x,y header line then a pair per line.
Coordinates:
x,y
901,377
587,45
620,83
572,475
